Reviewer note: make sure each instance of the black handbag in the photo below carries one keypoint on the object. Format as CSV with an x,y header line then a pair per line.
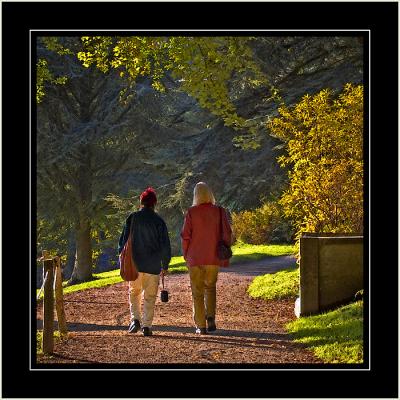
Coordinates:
x,y
224,252
164,292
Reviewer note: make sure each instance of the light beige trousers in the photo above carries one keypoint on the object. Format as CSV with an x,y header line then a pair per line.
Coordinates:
x,y
147,284
203,281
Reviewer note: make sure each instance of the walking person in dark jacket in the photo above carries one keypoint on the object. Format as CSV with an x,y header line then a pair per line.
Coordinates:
x,y
151,253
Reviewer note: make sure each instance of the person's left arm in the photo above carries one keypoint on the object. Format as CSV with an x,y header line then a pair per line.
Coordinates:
x,y
165,247
125,234
186,234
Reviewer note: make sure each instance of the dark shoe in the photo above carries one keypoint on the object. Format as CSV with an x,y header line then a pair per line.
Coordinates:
x,y
211,324
201,331
147,331
134,326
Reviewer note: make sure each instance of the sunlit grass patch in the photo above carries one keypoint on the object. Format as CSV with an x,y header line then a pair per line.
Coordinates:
x,y
279,285
177,264
335,336
99,280
241,252
252,252
103,279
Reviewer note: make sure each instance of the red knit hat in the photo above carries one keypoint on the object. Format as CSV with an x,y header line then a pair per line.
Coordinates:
x,y
148,197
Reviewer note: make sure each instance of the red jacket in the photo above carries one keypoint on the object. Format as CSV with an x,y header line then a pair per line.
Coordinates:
x,y
201,234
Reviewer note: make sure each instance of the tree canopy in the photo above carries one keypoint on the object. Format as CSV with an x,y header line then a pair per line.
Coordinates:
x,y
206,68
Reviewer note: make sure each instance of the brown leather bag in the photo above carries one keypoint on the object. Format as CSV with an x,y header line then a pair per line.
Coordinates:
x,y
128,269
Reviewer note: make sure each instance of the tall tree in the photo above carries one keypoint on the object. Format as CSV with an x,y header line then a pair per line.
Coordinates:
x,y
84,138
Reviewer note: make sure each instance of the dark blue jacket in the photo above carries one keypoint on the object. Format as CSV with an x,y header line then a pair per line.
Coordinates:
x,y
150,245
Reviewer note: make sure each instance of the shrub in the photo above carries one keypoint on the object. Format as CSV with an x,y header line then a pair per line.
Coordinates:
x,y
264,224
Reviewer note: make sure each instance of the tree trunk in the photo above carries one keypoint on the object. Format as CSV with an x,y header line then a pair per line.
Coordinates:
x,y
71,256
83,266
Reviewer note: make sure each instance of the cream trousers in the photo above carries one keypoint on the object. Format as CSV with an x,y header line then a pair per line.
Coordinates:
x,y
147,284
203,281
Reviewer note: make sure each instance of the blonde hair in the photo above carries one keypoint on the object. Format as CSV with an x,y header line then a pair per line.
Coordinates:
x,y
202,194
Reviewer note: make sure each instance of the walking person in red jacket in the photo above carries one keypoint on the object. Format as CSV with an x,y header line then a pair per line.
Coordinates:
x,y
200,235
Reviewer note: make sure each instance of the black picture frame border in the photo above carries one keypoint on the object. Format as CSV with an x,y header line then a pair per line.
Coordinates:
x,y
19,19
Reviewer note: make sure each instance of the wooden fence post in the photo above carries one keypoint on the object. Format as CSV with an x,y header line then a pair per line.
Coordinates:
x,y
48,307
62,325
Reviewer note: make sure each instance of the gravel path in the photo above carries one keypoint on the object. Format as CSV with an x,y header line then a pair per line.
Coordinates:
x,y
250,331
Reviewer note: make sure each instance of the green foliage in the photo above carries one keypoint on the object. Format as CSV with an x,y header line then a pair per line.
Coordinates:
x,y
204,66
265,224
279,285
324,150
53,44
335,336
52,238
119,208
43,76
179,197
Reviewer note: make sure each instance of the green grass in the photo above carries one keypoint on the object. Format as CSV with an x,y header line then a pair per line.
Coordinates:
x,y
103,279
39,337
279,285
335,336
252,252
241,252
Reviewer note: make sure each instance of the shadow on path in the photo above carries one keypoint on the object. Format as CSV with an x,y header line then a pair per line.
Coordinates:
x,y
274,345
250,340
265,266
227,336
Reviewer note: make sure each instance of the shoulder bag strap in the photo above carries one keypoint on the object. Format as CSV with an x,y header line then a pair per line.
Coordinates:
x,y
131,227
220,224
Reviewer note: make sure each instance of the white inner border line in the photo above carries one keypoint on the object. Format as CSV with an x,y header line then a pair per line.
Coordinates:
x,y
222,32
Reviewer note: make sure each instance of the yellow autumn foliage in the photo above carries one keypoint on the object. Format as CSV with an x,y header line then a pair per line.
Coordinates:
x,y
323,135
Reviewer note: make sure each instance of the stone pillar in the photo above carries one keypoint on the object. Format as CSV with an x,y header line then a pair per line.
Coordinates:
x,y
309,282
331,271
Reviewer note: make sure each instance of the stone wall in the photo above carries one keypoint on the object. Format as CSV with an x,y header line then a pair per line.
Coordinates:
x,y
331,271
